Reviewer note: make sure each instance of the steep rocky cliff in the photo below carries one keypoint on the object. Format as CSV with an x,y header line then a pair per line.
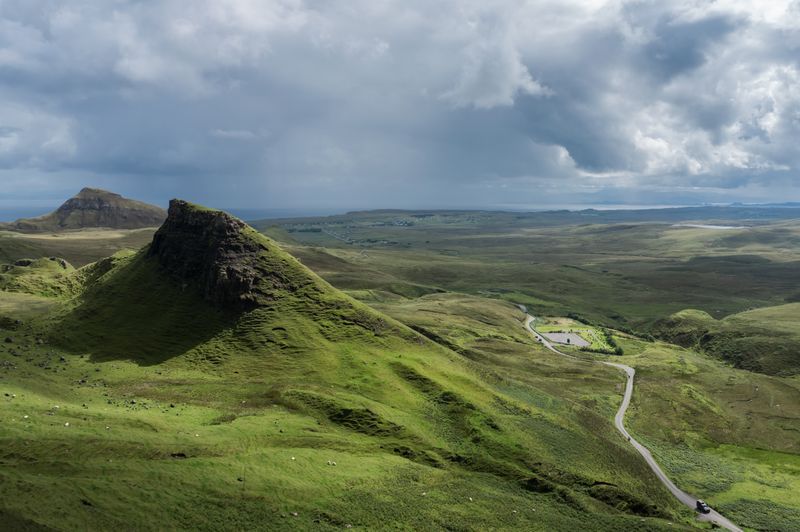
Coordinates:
x,y
204,273
93,208
231,264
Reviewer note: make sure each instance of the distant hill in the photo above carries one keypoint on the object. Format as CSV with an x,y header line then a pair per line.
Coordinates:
x,y
93,207
764,340
750,215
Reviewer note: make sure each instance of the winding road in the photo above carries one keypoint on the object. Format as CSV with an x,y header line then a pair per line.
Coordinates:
x,y
619,421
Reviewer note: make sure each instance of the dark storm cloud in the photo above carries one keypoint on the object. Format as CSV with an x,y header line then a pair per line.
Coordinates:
x,y
678,47
292,102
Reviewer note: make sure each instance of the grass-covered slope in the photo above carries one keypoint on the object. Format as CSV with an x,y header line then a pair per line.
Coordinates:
x,y
728,435
204,274
49,276
226,386
766,340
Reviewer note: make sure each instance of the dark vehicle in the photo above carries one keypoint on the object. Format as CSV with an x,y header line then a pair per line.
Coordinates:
x,y
702,507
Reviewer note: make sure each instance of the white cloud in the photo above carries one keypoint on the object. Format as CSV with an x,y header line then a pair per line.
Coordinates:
x,y
492,73
32,137
366,95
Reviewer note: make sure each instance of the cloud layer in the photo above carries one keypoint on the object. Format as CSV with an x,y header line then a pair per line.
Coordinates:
x,y
306,103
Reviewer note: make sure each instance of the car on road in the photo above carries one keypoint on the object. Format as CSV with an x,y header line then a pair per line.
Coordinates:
x,y
702,507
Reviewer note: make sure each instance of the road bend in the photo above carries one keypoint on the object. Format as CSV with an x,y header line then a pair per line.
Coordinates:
x,y
619,422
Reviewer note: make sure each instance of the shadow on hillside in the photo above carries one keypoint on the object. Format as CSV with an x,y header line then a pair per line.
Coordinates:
x,y
138,312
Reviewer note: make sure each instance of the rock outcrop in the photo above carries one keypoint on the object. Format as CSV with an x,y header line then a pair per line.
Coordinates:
x,y
227,260
93,208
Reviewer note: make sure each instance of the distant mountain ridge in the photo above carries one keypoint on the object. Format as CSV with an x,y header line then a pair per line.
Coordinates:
x,y
93,208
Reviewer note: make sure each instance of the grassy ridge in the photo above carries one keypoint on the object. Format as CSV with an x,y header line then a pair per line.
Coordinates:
x,y
45,276
408,452
765,340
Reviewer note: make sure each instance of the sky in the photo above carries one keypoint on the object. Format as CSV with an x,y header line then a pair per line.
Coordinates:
x,y
318,104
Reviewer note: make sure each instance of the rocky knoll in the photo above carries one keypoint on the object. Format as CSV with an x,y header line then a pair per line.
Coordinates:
x,y
222,256
93,208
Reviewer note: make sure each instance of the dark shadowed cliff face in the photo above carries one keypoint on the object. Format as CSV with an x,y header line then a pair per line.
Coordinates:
x,y
221,255
91,208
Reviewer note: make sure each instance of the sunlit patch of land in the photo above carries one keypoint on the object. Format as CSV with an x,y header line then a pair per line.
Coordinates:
x,y
82,234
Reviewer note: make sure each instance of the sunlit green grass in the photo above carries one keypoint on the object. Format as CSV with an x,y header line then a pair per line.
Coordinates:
x,y
593,335
619,274
77,247
727,435
219,420
764,340
148,408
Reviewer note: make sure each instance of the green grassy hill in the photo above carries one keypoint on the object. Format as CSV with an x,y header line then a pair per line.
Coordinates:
x,y
44,276
724,434
766,340
211,381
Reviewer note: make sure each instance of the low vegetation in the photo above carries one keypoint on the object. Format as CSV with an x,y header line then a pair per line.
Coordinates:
x,y
600,339
141,400
214,382
766,340
79,248
623,270
725,433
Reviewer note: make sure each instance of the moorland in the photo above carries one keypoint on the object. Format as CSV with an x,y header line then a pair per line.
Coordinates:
x,y
371,370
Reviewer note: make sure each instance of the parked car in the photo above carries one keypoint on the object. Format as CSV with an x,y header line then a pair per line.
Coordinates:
x,y
702,507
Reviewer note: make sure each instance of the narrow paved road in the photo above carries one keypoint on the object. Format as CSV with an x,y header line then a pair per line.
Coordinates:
x,y
619,422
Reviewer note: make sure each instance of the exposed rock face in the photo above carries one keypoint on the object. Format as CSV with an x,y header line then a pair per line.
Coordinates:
x,y
214,251
91,208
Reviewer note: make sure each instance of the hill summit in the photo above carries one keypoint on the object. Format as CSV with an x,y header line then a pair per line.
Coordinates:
x,y
232,265
206,272
93,208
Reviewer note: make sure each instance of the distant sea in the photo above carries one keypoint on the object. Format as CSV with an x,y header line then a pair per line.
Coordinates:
x,y
584,206
9,214
250,215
